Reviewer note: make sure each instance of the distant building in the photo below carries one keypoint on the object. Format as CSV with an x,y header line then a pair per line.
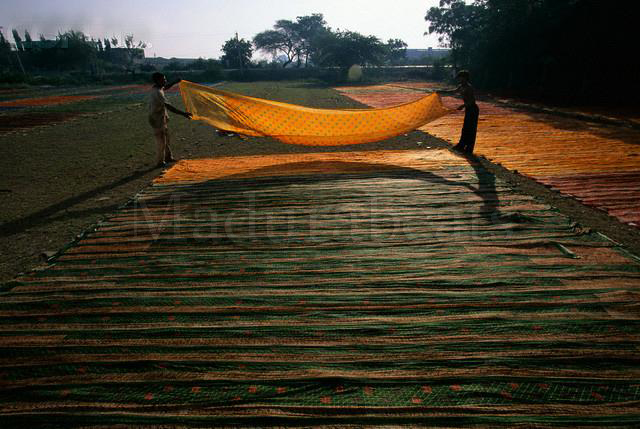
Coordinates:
x,y
427,54
121,55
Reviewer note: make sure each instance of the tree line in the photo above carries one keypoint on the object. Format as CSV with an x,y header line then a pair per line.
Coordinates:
x,y
70,51
567,49
308,40
304,42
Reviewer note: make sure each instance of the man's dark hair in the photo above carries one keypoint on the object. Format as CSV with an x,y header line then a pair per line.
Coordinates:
x,y
464,74
156,77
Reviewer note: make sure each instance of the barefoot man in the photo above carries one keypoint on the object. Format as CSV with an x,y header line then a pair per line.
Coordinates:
x,y
471,113
158,117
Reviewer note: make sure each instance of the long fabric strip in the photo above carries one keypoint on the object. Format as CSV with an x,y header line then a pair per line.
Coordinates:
x,y
294,124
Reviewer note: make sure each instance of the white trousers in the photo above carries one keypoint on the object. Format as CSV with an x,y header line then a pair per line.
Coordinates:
x,y
162,143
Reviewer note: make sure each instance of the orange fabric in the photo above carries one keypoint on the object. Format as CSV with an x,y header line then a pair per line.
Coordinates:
x,y
539,145
596,164
303,125
300,164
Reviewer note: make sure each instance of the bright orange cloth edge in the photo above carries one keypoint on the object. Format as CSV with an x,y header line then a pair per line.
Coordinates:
x,y
295,124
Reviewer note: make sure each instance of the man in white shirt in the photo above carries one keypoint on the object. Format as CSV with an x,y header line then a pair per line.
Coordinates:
x,y
158,117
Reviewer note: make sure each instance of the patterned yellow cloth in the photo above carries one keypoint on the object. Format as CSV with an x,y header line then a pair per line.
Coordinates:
x,y
303,125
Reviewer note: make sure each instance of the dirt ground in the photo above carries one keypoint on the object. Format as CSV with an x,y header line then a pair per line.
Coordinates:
x,y
58,178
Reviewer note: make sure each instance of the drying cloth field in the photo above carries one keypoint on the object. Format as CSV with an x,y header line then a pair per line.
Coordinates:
x,y
46,101
25,108
597,164
361,287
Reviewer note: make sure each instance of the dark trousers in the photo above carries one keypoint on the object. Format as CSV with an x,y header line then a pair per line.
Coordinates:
x,y
469,128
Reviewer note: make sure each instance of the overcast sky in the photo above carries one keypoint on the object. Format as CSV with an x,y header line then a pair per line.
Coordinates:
x,y
198,28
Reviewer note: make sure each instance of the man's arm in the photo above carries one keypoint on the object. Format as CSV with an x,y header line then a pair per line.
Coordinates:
x,y
457,89
170,84
449,91
170,108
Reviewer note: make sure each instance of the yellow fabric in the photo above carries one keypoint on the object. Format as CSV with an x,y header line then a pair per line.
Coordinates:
x,y
303,125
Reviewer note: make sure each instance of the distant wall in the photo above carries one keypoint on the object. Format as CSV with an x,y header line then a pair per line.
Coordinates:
x,y
370,74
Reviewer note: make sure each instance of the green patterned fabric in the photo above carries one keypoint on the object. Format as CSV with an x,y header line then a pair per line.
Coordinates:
x,y
392,297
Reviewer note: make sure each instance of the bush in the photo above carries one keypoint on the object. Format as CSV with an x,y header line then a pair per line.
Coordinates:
x,y
174,65
211,75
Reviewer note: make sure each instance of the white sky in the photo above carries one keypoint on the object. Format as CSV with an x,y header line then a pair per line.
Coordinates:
x,y
198,28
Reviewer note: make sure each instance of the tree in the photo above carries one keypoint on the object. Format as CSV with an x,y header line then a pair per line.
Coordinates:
x,y
296,40
284,39
202,64
17,39
135,50
5,46
458,26
311,29
308,39
27,38
346,48
237,53
199,64
75,51
547,46
5,51
396,51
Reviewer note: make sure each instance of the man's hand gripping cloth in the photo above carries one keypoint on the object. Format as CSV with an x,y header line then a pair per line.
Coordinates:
x,y
294,124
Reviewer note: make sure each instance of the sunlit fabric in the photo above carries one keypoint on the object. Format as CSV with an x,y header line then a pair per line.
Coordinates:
x,y
303,125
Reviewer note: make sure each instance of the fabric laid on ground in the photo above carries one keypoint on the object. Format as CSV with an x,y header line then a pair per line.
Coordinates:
x,y
304,125
345,289
47,101
597,164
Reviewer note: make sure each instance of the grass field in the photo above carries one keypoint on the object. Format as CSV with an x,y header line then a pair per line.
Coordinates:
x,y
65,166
